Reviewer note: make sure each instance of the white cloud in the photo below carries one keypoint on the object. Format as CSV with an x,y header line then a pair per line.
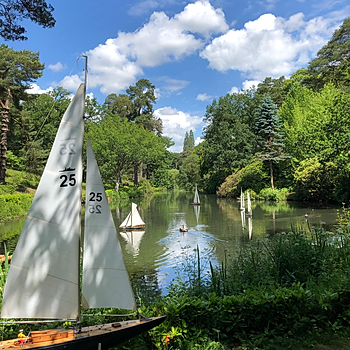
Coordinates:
x,y
71,82
201,17
117,63
198,140
234,90
203,97
57,67
248,84
175,125
269,46
35,89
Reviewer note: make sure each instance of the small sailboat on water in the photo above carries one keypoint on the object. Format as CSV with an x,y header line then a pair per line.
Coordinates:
x,y
44,277
133,221
196,200
249,205
242,208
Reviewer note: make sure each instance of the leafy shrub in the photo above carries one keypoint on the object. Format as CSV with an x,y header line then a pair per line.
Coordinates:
x,y
274,194
13,206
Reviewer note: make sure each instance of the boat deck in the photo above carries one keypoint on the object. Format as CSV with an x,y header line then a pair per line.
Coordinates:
x,y
44,338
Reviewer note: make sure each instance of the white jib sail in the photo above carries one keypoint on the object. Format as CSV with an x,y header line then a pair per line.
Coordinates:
x,y
242,200
249,204
133,219
44,273
105,279
196,196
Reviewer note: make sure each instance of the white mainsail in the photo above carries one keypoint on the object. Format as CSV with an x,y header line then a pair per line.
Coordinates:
x,y
105,279
43,278
242,201
196,196
249,205
133,219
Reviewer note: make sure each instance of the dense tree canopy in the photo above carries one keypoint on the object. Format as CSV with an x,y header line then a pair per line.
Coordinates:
x,y
18,69
13,11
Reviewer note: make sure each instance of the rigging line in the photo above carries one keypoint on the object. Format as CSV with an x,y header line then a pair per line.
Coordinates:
x,y
48,114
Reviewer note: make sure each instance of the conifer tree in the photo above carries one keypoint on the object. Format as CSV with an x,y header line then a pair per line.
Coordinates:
x,y
268,128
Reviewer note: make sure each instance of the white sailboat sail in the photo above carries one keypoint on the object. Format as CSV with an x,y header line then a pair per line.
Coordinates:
x,y
105,280
44,273
196,196
242,201
133,219
243,218
249,205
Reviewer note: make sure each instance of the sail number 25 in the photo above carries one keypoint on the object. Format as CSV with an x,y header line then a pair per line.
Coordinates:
x,y
95,197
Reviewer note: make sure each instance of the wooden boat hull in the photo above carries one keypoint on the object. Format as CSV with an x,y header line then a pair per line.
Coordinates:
x,y
101,337
195,204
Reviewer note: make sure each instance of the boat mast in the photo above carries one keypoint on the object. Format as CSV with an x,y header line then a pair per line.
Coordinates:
x,y
80,245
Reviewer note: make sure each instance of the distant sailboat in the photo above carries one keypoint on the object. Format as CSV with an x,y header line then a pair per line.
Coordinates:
x,y
133,220
196,200
242,201
249,205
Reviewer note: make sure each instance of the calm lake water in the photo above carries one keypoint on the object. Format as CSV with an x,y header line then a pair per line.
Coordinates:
x,y
216,227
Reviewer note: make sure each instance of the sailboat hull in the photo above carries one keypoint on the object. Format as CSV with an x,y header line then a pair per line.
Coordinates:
x,y
101,337
195,204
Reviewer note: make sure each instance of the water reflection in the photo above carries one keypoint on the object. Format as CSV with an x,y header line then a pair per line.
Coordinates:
x,y
154,254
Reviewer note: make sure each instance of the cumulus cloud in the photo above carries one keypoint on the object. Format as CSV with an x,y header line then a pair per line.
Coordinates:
x,y
71,82
35,89
269,46
203,97
248,84
234,90
115,64
175,125
57,67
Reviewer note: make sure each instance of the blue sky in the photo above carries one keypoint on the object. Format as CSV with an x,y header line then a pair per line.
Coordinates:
x,y
192,51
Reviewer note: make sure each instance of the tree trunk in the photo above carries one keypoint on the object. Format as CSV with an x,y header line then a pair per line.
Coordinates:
x,y
271,174
136,174
3,142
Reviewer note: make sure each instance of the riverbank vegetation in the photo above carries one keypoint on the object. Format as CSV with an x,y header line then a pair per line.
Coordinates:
x,y
288,291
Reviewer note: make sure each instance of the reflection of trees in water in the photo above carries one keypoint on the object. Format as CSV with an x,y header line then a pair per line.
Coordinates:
x,y
273,207
10,243
145,286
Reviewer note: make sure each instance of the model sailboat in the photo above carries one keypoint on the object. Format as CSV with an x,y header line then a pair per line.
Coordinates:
x,y
44,277
196,200
249,205
133,220
242,201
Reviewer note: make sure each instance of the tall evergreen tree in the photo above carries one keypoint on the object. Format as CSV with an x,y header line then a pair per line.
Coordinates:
x,y
18,69
268,127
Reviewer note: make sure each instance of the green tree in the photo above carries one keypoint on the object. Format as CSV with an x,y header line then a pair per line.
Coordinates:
x,y
228,141
190,171
142,96
12,11
332,63
119,145
119,104
268,128
18,69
